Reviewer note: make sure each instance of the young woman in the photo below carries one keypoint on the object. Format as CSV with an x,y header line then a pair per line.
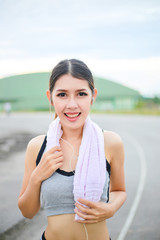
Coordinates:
x,y
51,172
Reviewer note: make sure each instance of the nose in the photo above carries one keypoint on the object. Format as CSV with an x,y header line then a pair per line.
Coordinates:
x,y
72,103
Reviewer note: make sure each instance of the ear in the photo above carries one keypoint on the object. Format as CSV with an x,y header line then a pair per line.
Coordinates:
x,y
94,95
49,97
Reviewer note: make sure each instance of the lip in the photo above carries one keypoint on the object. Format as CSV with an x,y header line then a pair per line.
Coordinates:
x,y
72,119
72,113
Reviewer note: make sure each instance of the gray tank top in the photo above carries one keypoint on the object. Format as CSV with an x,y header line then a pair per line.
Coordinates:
x,y
57,191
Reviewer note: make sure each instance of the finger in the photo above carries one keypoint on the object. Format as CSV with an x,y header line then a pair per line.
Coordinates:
x,y
84,209
57,154
54,149
59,160
86,202
58,165
86,217
53,156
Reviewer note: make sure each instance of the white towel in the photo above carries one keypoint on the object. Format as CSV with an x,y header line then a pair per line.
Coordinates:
x,y
90,172
54,134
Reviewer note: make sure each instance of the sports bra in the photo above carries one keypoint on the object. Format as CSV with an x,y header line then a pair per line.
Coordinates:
x,y
57,190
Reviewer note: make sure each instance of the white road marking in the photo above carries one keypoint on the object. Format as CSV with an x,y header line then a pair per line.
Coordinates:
x,y
140,187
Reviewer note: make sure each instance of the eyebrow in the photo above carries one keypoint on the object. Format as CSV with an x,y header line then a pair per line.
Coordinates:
x,y
64,90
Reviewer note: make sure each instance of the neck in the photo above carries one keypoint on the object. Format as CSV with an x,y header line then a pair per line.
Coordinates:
x,y
72,135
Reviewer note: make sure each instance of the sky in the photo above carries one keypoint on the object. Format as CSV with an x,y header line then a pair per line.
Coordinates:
x,y
118,39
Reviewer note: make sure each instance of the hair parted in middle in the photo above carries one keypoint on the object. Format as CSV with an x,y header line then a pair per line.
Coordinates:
x,y
75,68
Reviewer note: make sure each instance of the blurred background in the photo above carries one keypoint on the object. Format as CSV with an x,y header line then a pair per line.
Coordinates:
x,y
120,43
118,40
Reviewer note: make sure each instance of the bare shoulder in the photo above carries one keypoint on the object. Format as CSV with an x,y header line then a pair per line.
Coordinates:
x,y
113,144
112,138
36,142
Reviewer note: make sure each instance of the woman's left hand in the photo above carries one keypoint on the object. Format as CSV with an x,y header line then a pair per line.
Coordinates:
x,y
93,212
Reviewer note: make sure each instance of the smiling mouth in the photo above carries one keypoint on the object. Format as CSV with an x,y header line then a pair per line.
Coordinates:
x,y
72,115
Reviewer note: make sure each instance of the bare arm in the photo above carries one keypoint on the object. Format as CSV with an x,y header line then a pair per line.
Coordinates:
x,y
29,198
117,194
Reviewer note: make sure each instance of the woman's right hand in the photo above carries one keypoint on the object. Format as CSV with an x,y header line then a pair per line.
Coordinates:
x,y
50,162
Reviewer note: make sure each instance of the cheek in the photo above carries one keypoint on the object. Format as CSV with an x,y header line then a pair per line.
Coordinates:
x,y
58,105
86,105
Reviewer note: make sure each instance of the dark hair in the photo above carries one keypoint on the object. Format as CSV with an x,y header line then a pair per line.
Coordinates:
x,y
75,68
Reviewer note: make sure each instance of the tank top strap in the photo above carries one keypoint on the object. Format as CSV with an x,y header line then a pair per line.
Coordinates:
x,y
41,151
108,166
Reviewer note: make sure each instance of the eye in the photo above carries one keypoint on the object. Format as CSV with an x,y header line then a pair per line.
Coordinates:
x,y
61,94
82,94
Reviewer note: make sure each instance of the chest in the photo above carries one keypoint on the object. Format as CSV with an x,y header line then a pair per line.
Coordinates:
x,y
70,155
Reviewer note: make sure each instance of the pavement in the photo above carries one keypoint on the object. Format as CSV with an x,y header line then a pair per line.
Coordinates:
x,y
139,218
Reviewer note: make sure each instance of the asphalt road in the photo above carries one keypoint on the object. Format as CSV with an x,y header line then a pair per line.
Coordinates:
x,y
139,218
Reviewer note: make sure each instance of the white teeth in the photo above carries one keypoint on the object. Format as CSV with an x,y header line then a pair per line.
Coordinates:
x,y
72,116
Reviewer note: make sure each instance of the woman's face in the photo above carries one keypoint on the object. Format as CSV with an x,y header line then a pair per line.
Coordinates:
x,y
72,99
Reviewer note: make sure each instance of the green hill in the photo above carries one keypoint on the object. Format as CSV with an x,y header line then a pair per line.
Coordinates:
x,y
109,89
25,92
28,91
